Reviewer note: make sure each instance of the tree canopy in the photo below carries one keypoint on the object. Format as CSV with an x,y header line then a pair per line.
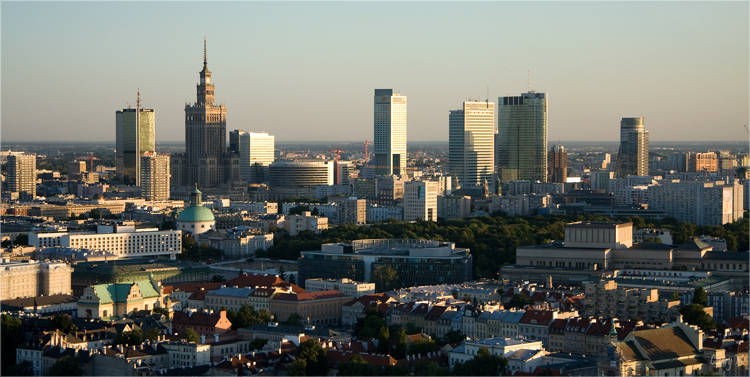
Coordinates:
x,y
191,336
385,279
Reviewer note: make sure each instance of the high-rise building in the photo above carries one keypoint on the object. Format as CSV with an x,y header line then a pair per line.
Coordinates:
x,y
135,135
75,169
22,174
420,200
207,161
632,158
522,137
256,150
707,162
471,143
155,176
557,164
390,133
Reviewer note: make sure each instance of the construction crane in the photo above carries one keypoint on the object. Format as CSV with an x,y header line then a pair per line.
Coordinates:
x,y
367,155
338,152
91,159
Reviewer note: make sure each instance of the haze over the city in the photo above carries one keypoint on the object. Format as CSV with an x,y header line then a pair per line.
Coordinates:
x,y
307,70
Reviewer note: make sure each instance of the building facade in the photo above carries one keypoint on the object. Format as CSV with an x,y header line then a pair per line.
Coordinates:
x,y
34,278
420,201
155,176
300,173
632,157
389,145
471,143
207,161
135,134
557,165
256,151
22,174
522,137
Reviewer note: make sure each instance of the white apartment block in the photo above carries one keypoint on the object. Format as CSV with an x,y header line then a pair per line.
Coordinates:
x,y
343,285
376,213
34,278
298,223
186,354
124,241
420,201
700,203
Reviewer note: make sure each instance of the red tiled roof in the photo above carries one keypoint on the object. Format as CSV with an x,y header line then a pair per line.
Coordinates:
x,y
558,326
367,299
194,287
196,319
322,295
538,296
739,323
435,313
542,317
337,358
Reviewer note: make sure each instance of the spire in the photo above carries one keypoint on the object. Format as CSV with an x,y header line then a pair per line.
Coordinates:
x,y
205,61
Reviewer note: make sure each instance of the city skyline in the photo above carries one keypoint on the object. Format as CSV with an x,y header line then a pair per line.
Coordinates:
x,y
649,58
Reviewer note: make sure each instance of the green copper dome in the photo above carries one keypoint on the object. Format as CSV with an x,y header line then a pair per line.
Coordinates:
x,y
196,212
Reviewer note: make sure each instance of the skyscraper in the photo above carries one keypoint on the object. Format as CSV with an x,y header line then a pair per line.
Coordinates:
x,y
155,176
471,143
558,164
256,150
390,133
22,174
207,161
135,135
632,157
522,137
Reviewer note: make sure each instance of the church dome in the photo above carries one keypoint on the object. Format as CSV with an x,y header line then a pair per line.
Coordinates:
x,y
196,212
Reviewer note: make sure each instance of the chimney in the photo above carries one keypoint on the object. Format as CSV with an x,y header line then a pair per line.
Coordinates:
x,y
190,314
223,314
203,338
216,338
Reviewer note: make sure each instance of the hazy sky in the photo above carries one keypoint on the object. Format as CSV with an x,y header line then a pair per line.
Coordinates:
x,y
307,70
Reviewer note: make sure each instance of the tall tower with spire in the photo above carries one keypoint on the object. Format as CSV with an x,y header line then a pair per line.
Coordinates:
x,y
207,161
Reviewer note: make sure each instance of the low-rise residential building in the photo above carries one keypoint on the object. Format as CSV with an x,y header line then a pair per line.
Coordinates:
x,y
236,243
186,354
306,221
497,346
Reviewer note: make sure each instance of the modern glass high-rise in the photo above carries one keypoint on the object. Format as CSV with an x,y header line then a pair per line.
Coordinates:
x,y
557,164
256,150
390,133
135,135
632,157
522,137
471,143
155,176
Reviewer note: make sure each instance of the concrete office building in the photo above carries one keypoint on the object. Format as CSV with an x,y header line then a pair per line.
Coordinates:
x,y
75,169
471,143
207,161
389,145
522,137
31,278
632,157
22,174
557,164
417,262
420,200
707,162
135,135
256,151
700,203
155,177
300,173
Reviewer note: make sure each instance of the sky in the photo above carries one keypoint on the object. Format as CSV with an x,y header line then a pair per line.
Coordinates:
x,y
308,70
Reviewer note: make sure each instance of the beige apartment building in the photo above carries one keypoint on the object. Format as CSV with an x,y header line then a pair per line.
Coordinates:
x,y
30,278
604,299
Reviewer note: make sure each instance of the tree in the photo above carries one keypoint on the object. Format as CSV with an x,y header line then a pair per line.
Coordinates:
x,y
191,336
298,210
421,347
385,279
695,315
217,279
298,367
384,341
357,366
675,296
12,336
66,366
430,368
454,336
314,356
282,272
518,301
294,319
161,310
22,239
399,352
62,322
153,333
412,329
24,368
292,278
132,338
95,214
483,364
258,343
700,297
